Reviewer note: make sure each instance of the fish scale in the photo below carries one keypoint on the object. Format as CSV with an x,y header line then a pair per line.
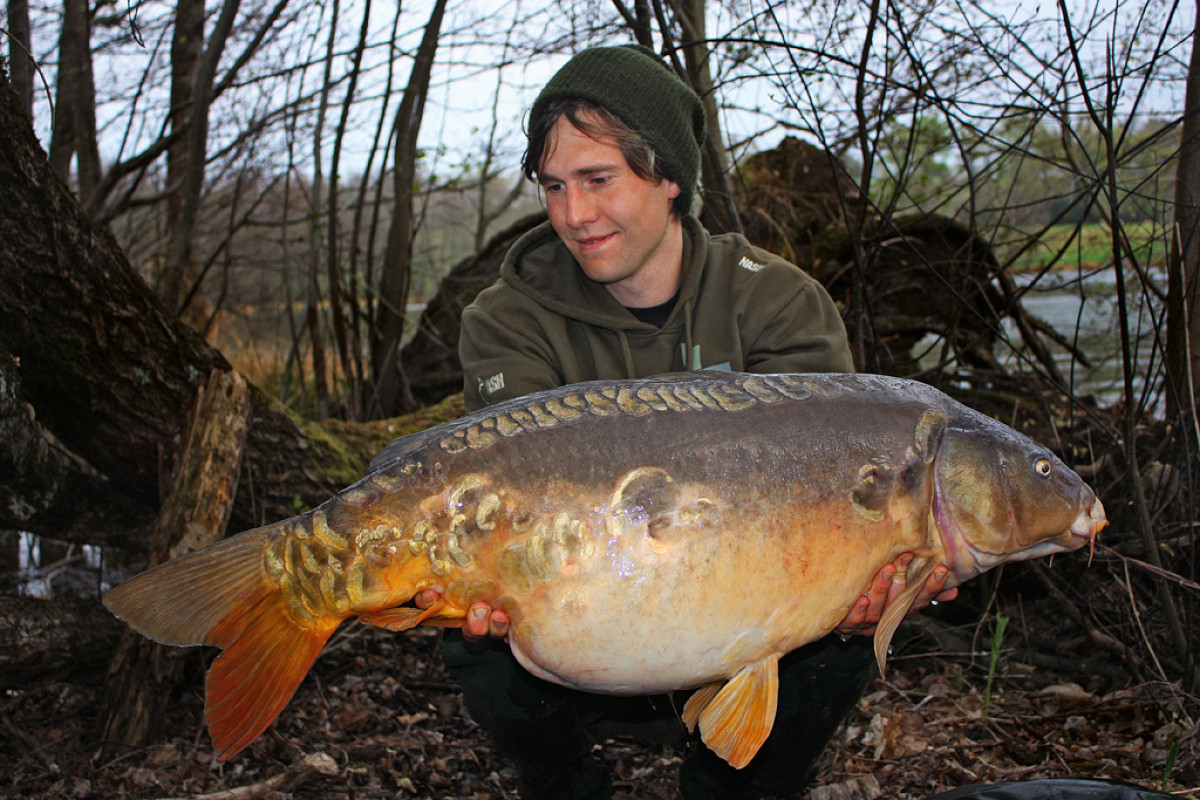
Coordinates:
x,y
643,536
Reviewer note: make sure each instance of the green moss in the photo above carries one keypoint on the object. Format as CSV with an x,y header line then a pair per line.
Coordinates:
x,y
342,450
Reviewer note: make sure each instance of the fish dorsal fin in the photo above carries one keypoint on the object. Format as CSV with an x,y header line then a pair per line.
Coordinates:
x,y
898,609
738,718
439,615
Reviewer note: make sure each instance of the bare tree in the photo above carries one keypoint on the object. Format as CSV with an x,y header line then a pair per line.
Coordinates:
x,y
390,394
75,122
20,52
1183,278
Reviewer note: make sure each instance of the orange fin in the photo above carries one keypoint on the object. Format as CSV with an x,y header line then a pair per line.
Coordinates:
x,y
897,610
251,682
439,615
182,601
736,721
699,701
221,596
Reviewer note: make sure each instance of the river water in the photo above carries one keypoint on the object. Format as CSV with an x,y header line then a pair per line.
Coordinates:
x,y
1084,309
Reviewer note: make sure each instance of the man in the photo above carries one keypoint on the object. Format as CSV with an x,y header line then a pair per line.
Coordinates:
x,y
623,282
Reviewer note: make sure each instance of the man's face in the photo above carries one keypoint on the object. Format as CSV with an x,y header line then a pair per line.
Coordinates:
x,y
616,224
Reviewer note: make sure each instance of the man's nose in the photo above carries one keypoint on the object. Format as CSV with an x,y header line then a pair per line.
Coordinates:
x,y
581,207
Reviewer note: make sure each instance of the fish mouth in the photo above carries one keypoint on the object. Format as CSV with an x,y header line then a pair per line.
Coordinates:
x,y
1088,524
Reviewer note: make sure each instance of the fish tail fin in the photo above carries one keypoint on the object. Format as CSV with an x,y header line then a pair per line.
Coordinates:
x,y
249,684
222,596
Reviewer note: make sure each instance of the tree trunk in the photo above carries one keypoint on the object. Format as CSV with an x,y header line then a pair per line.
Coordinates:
x,y
143,674
39,637
719,214
187,45
20,50
74,131
390,395
1183,282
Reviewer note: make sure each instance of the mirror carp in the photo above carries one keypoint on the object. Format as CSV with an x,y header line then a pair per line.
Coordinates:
x,y
643,536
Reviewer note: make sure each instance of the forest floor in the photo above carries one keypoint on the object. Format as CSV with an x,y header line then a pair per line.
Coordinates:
x,y
378,717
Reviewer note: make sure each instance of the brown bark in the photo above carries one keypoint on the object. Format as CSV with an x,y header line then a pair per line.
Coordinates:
x,y
142,674
187,46
41,637
20,49
74,131
719,214
1183,282
46,490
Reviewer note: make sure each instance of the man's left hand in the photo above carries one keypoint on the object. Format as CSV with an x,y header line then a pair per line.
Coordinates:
x,y
888,583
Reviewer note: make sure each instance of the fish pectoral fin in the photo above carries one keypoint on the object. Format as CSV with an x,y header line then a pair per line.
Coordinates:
x,y
737,720
898,609
439,615
699,701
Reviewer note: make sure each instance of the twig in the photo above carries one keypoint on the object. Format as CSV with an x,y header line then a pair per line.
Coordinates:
x,y
314,766
1159,571
1137,618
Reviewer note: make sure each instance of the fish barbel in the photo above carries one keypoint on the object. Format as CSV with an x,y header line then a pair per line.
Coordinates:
x,y
643,536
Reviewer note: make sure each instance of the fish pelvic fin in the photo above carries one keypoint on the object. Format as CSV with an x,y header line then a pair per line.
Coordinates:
x,y
221,596
737,718
696,704
898,609
439,615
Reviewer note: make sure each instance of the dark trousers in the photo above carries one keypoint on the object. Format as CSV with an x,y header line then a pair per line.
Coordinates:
x,y
548,731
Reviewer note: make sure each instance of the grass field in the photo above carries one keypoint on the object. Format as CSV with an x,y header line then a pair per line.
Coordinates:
x,y
1089,245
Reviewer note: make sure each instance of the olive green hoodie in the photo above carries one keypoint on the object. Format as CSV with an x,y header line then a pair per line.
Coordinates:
x,y
545,324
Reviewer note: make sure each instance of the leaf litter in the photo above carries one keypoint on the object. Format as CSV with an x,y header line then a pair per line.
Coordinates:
x,y
379,717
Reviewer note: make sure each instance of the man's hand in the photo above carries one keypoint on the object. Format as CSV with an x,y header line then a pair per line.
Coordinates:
x,y
889,582
482,620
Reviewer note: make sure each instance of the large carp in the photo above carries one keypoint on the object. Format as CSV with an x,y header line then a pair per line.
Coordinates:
x,y
643,536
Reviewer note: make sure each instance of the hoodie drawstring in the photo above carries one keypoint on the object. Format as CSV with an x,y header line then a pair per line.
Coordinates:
x,y
691,353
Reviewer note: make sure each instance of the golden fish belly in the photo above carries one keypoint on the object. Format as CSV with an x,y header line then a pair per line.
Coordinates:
x,y
683,606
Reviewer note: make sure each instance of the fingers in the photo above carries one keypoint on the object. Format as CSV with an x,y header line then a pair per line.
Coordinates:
x,y
855,619
886,586
498,624
869,607
425,598
935,590
483,620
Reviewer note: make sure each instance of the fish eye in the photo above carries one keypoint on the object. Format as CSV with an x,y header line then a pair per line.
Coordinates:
x,y
1043,467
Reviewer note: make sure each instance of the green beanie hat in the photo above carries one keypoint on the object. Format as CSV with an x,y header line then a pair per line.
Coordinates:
x,y
632,82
